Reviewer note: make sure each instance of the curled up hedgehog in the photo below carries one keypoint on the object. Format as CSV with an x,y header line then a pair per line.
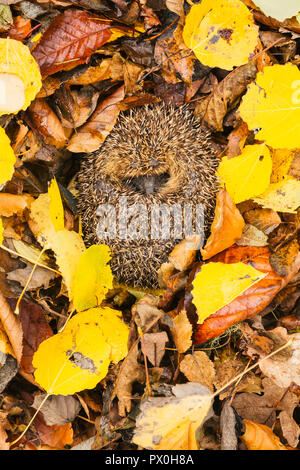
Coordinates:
x,y
141,190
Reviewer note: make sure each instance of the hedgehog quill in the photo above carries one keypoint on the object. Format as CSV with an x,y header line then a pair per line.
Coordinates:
x,y
158,165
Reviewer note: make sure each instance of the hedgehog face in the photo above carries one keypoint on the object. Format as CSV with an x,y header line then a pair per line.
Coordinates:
x,y
154,155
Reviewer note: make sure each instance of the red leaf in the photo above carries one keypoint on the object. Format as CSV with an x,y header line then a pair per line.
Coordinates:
x,y
250,302
70,40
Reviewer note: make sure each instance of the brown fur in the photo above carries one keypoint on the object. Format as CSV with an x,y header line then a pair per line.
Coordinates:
x,y
157,140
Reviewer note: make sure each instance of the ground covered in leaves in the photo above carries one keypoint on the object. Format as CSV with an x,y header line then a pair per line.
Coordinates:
x,y
211,360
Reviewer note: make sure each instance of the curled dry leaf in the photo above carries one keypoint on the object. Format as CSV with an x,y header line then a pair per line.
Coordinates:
x,y
182,331
226,228
197,367
47,123
12,327
253,300
251,236
94,132
184,253
131,371
14,204
214,108
260,437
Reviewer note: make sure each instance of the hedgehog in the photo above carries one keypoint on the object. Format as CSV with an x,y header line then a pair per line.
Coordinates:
x,y
156,159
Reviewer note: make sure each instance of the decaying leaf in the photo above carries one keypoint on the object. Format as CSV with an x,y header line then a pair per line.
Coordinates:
x,y
182,332
281,197
58,409
171,423
197,367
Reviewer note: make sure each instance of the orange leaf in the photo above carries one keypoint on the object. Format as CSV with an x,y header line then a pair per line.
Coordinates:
x,y
47,123
54,436
20,29
226,228
14,204
12,327
253,300
260,437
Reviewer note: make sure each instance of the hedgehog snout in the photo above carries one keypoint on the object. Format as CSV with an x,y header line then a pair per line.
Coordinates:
x,y
148,184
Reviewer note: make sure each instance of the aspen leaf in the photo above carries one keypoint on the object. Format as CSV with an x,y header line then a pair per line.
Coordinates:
x,y
221,33
248,174
79,356
7,157
16,60
171,423
272,104
56,209
282,160
279,10
281,197
93,277
67,245
217,284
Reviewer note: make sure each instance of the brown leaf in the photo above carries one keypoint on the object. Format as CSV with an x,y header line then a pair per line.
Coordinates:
x,y
184,253
253,300
228,428
47,123
40,278
251,236
265,220
214,108
58,409
35,329
260,437
236,140
197,367
12,327
226,228
290,429
182,332
131,371
282,260
70,40
94,132
54,436
154,346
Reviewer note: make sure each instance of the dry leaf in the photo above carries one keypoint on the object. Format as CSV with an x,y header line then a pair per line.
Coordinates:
x,y
197,367
182,332
260,437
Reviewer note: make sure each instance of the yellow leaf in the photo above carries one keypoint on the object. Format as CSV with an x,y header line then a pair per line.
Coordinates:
x,y
16,59
67,245
247,175
7,158
221,33
273,105
171,423
281,197
79,356
278,9
56,206
217,284
93,277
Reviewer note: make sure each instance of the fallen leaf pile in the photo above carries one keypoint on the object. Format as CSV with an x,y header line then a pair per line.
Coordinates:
x,y
211,360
